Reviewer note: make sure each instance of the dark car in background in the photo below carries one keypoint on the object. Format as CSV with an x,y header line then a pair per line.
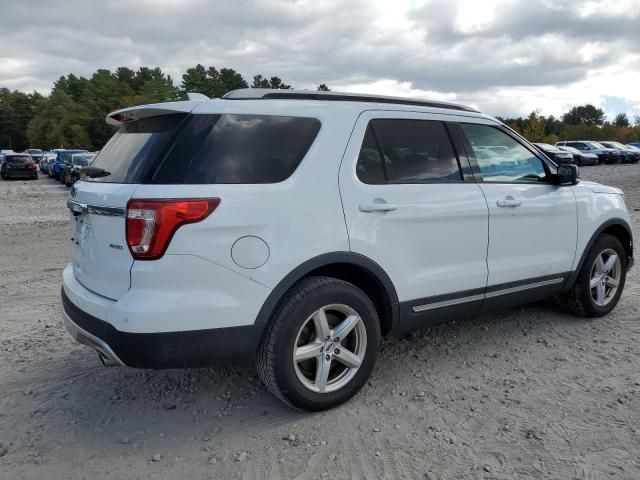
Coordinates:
x,y
634,144
555,154
73,165
35,153
628,155
581,158
606,155
18,165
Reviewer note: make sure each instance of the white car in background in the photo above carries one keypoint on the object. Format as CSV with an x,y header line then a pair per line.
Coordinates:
x,y
300,228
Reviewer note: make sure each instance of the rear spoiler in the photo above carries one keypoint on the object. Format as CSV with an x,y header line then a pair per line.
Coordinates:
x,y
124,115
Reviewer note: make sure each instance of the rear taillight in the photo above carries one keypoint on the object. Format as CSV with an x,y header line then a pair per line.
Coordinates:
x,y
31,166
152,223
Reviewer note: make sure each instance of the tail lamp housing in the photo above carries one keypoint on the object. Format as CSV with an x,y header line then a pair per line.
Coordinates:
x,y
151,223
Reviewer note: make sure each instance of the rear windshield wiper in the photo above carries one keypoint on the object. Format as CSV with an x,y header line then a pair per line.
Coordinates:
x,y
94,172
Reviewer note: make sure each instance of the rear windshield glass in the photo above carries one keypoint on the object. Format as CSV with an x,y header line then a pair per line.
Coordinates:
x,y
207,149
131,155
11,160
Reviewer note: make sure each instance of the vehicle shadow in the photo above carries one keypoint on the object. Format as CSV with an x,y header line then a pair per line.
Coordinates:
x,y
71,394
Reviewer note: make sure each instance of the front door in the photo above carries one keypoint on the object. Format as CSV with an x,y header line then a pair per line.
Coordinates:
x,y
532,222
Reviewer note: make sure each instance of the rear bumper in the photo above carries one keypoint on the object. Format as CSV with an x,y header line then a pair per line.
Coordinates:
x,y
193,348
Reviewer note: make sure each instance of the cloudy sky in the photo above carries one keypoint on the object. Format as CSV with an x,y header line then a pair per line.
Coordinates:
x,y
506,57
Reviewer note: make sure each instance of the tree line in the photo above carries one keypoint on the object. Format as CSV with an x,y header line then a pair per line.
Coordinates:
x,y
585,122
72,115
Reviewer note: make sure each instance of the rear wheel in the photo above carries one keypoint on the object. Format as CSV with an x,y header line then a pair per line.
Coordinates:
x,y
321,344
601,279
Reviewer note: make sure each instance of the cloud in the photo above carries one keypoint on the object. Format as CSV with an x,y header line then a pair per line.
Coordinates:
x,y
506,57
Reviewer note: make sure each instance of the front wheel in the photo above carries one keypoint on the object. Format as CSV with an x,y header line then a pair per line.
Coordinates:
x,y
321,344
601,279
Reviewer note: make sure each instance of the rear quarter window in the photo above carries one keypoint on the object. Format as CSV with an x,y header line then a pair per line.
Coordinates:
x,y
207,149
231,149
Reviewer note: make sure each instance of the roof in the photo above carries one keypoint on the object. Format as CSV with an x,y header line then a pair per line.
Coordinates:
x,y
319,99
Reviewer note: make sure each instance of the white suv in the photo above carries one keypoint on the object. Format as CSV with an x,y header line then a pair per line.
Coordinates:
x,y
302,227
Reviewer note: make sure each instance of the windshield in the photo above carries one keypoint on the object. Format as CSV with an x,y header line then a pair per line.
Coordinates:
x,y
616,145
34,151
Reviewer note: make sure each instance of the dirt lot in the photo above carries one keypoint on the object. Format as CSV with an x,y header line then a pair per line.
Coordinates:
x,y
525,393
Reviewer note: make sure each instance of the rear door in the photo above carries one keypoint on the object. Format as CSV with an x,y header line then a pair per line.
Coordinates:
x,y
415,213
99,253
532,222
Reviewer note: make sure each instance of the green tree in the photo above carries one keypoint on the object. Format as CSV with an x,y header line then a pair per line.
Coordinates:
x,y
323,88
621,120
274,82
587,114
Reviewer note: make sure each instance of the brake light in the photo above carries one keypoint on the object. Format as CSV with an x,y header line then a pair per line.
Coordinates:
x,y
31,166
152,223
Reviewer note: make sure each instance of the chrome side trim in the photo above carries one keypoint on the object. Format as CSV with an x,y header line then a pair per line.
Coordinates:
x,y
497,293
520,288
447,303
85,338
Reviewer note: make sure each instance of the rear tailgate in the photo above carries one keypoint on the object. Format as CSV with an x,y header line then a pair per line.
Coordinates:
x,y
99,254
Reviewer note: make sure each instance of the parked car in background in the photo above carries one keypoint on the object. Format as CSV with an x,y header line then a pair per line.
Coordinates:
x,y
555,154
45,162
300,228
18,165
582,158
628,155
73,165
35,153
57,167
634,144
633,147
606,155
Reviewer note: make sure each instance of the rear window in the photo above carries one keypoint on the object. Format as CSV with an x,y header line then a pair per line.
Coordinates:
x,y
207,149
14,160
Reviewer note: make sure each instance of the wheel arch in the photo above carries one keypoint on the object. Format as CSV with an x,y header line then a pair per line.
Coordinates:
x,y
350,267
616,227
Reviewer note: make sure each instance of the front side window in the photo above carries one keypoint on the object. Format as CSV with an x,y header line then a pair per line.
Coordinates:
x,y
501,158
417,151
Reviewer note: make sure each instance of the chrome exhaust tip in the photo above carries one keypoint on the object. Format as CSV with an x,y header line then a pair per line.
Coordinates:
x,y
108,362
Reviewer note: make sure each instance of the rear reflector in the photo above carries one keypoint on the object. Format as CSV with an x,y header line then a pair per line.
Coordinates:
x,y
152,223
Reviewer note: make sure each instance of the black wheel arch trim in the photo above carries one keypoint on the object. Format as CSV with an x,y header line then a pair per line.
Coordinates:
x,y
325,260
609,223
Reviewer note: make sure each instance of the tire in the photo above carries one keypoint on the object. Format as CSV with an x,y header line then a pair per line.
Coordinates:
x,y
35,177
294,324
580,298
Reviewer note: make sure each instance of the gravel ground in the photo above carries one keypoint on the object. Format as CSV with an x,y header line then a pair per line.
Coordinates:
x,y
530,392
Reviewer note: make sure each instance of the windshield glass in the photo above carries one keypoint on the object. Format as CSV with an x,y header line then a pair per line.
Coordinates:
x,y
34,151
595,145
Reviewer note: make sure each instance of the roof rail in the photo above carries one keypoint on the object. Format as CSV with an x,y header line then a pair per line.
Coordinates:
x,y
284,94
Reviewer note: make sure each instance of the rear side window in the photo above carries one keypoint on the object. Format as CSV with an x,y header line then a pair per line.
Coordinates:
x,y
251,149
417,151
369,167
207,149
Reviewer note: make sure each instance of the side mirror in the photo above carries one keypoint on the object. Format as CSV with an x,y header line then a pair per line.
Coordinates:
x,y
567,175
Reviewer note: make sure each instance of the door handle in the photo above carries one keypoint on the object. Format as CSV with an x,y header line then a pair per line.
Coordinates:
x,y
509,202
380,206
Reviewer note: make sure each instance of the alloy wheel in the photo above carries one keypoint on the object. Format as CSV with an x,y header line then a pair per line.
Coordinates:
x,y
606,274
329,348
